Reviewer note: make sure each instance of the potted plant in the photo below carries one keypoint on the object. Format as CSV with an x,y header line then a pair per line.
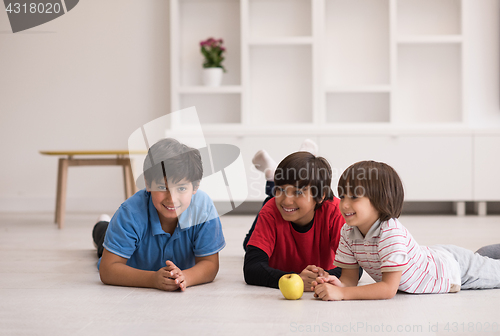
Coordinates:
x,y
212,50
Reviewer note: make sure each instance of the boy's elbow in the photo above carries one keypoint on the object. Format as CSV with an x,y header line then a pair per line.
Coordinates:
x,y
248,280
390,284
105,275
214,273
246,275
390,295
249,277
390,292
211,273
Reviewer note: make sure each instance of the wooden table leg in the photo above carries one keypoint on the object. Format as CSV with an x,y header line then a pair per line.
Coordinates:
x,y
61,191
58,191
133,187
126,180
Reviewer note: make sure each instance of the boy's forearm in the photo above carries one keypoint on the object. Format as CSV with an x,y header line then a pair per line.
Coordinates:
x,y
204,271
348,282
376,291
349,277
123,275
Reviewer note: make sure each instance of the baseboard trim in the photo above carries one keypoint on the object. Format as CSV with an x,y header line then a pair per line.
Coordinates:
x,y
48,204
409,208
110,204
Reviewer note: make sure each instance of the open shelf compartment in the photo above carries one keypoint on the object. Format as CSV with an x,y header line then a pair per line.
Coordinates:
x,y
200,20
280,18
429,17
274,98
357,43
429,83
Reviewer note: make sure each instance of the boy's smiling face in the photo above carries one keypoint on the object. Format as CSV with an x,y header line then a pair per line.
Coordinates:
x,y
295,204
172,199
358,211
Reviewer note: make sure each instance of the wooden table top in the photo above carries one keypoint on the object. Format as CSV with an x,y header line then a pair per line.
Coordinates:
x,y
92,152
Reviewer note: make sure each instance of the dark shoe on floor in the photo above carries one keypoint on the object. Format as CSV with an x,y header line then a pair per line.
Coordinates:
x,y
98,234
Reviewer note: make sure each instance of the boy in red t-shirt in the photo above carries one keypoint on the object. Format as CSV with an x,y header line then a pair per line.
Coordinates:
x,y
297,230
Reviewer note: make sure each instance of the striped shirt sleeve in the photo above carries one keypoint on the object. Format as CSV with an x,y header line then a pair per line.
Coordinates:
x,y
392,248
344,257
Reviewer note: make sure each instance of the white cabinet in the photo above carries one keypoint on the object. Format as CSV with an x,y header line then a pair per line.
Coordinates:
x,y
433,168
487,167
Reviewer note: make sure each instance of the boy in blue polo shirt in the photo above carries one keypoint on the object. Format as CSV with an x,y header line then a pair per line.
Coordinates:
x,y
167,236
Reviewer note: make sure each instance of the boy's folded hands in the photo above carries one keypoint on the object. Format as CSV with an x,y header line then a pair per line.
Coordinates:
x,y
310,274
170,278
327,288
330,279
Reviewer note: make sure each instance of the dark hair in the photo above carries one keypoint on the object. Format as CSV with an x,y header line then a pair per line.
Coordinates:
x,y
377,181
173,160
302,169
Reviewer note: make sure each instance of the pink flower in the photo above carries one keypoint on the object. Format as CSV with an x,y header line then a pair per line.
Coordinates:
x,y
212,50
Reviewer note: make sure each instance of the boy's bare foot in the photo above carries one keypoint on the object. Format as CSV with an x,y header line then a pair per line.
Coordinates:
x,y
265,163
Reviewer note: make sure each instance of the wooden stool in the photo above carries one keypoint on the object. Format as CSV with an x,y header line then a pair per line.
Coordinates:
x,y
68,160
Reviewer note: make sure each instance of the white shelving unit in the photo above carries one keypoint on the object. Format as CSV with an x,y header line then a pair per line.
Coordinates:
x,y
325,63
389,72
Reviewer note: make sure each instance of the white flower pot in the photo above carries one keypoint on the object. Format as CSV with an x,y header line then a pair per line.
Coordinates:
x,y
212,76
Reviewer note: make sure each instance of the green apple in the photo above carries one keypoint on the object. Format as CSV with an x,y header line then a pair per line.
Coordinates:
x,y
291,286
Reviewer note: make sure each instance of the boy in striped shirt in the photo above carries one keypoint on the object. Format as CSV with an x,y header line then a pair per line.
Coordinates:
x,y
371,199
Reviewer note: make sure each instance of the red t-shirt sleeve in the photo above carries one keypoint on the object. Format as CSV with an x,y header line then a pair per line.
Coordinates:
x,y
264,234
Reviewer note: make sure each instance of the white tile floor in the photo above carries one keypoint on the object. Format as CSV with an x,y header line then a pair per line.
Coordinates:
x,y
49,285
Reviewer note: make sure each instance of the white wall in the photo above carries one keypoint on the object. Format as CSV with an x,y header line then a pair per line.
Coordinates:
x,y
88,79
